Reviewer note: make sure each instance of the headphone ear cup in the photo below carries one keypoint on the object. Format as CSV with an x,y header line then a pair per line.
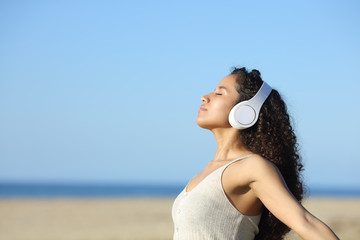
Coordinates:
x,y
246,113
242,115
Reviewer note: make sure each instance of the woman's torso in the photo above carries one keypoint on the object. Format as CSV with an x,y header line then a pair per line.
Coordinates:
x,y
205,212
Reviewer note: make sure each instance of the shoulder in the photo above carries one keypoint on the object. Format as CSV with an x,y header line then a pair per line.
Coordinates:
x,y
254,167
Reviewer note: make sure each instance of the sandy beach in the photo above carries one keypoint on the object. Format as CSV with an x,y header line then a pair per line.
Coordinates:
x,y
134,218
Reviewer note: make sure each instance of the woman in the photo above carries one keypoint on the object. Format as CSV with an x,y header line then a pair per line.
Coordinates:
x,y
252,188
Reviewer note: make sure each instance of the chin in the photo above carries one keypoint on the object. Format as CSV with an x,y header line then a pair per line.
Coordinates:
x,y
202,124
205,127
208,125
211,125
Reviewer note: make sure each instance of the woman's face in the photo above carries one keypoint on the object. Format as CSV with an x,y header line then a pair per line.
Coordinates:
x,y
216,106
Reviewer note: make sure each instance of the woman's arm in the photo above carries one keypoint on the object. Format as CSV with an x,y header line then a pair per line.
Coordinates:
x,y
269,186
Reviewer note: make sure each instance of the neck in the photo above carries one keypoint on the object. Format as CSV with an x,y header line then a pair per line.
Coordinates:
x,y
229,144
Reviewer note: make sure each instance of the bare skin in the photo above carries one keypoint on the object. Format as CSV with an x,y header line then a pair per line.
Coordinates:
x,y
254,181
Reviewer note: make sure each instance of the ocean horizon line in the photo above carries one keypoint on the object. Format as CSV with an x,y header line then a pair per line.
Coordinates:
x,y
48,190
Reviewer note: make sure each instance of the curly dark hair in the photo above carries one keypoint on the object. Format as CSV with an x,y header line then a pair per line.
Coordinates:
x,y
273,138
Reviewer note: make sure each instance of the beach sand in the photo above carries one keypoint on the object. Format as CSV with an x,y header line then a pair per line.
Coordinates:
x,y
134,218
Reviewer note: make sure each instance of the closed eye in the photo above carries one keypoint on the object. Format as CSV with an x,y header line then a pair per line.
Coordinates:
x,y
218,94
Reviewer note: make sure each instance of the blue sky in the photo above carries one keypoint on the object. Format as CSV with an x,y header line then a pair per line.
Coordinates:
x,y
108,91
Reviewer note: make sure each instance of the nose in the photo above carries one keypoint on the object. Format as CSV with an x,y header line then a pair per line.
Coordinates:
x,y
205,99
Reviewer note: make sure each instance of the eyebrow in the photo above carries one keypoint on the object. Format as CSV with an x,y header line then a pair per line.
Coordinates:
x,y
221,87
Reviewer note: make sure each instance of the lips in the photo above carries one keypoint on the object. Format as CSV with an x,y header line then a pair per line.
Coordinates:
x,y
202,108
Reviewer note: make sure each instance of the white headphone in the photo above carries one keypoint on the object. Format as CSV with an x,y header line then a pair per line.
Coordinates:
x,y
246,113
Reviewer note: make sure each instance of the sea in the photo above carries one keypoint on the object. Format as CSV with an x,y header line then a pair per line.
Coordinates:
x,y
36,190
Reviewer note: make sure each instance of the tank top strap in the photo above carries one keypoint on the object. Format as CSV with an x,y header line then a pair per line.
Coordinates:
x,y
237,159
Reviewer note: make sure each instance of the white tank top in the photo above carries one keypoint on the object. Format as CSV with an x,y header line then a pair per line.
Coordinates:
x,y
206,213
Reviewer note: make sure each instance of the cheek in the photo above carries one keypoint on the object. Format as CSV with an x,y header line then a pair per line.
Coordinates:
x,y
223,109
